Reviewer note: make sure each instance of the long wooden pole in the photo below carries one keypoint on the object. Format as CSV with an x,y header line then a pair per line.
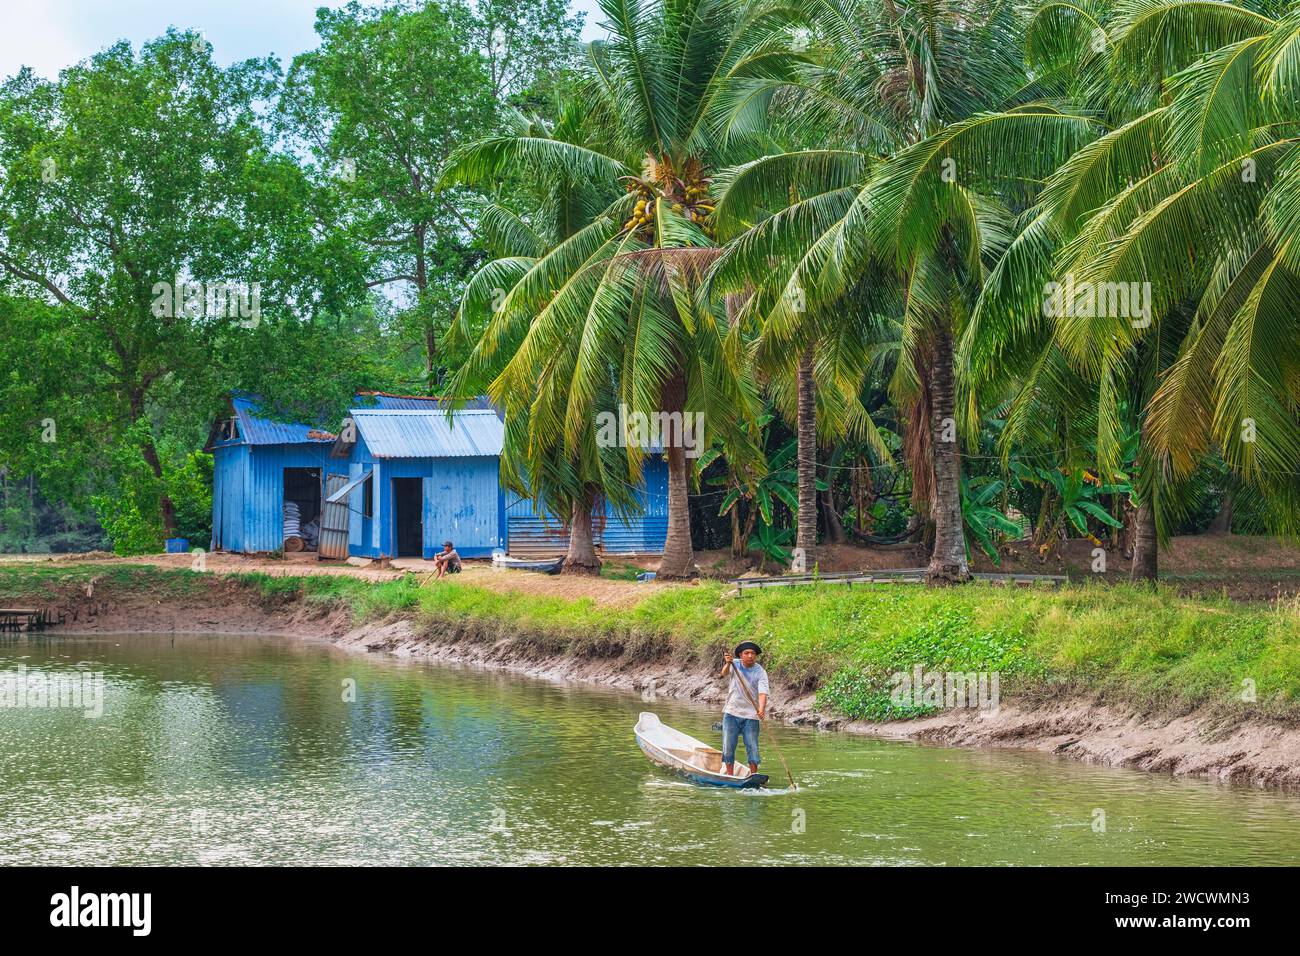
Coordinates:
x,y
753,703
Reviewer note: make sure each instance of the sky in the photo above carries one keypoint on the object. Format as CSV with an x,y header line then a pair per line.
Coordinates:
x,y
48,35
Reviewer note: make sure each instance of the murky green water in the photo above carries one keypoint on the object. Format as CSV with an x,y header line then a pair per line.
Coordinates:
x,y
241,750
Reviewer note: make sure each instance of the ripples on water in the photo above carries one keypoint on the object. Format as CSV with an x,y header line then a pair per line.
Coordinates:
x,y
239,750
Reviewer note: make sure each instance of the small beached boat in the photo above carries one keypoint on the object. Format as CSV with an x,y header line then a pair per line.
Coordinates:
x,y
692,759
548,566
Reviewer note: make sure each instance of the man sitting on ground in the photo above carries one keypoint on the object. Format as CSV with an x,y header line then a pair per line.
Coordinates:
x,y
447,560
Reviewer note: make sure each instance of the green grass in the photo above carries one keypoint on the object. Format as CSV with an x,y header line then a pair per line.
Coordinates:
x,y
1152,650
35,580
619,571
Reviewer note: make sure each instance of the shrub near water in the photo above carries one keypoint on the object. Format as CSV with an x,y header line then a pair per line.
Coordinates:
x,y
948,642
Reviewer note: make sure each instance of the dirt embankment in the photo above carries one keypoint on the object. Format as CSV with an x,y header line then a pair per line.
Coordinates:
x,y
1253,752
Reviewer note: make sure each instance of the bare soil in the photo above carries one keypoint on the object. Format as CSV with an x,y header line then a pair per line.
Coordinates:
x,y
1242,567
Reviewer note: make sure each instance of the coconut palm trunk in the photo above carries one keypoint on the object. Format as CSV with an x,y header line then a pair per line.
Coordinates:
x,y
678,561
806,526
581,557
948,559
1145,561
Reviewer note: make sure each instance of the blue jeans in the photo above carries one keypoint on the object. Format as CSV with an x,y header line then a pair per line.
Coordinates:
x,y
733,727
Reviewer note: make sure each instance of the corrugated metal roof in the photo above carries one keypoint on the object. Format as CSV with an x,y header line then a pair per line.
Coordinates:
x,y
420,403
403,433
256,430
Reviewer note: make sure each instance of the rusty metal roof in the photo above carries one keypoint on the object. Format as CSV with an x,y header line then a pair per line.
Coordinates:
x,y
387,400
407,433
256,429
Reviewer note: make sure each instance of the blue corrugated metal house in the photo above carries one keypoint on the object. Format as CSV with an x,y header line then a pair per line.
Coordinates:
x,y
399,479
418,477
257,465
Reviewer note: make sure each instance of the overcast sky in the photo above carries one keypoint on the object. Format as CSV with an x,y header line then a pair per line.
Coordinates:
x,y
48,35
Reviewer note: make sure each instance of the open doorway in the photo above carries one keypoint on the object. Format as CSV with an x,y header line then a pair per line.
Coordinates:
x,y
302,503
408,517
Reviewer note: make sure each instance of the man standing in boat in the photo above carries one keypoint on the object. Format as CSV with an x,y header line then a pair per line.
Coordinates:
x,y
740,717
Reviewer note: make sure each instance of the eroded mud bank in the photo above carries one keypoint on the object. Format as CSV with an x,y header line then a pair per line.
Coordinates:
x,y
1253,752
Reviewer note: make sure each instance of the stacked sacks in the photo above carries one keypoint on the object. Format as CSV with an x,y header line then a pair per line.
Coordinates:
x,y
292,527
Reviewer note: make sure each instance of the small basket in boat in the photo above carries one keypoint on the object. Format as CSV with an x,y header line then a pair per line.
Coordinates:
x,y
709,759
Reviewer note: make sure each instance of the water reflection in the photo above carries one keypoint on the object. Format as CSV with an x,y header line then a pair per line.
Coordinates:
x,y
243,750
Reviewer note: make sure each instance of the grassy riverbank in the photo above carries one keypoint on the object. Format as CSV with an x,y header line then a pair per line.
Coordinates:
x,y
1153,651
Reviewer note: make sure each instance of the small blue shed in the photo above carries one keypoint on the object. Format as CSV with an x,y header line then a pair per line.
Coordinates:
x,y
418,477
399,479
257,465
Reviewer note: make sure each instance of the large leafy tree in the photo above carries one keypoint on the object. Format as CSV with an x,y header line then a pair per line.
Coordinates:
x,y
131,174
528,45
627,290
380,105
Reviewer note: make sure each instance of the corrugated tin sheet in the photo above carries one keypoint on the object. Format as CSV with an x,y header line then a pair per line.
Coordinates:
x,y
339,493
248,493
257,430
642,534
533,537
402,433
334,521
421,403
461,501
530,535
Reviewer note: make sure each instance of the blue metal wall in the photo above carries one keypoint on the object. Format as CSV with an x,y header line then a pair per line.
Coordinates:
x,y
645,532
463,502
229,490
533,536
248,492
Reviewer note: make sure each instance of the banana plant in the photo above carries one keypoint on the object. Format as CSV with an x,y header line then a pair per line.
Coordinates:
x,y
779,483
774,544
1077,493
981,511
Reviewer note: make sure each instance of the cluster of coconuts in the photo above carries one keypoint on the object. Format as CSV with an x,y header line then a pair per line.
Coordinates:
x,y
696,207
643,212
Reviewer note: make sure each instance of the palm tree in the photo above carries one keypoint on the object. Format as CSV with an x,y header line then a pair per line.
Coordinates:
x,y
814,368
618,306
1191,195
914,208
559,206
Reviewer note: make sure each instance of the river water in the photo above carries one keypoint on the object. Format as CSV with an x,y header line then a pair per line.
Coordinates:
x,y
244,750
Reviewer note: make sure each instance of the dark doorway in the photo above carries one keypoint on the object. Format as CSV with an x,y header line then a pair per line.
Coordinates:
x,y
301,509
408,516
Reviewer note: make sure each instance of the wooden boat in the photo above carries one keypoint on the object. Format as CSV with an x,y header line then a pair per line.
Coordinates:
x,y
688,757
548,566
